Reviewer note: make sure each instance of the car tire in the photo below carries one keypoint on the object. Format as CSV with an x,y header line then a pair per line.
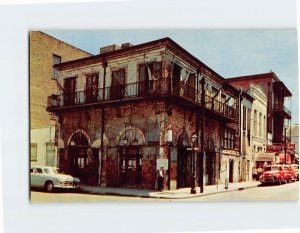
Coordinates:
x,y
279,182
49,186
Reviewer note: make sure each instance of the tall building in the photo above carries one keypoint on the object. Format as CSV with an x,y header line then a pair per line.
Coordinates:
x,y
126,112
277,97
45,51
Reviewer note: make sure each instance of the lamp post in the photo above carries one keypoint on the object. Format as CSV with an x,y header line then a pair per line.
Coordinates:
x,y
194,140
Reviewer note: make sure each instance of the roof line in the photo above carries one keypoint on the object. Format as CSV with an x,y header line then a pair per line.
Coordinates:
x,y
63,42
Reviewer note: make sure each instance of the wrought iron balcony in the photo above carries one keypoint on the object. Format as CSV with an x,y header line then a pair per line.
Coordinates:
x,y
281,107
153,88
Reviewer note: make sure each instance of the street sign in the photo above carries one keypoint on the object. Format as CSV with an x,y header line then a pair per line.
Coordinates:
x,y
274,147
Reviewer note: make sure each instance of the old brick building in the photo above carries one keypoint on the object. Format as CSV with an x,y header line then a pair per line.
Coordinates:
x,y
45,51
123,113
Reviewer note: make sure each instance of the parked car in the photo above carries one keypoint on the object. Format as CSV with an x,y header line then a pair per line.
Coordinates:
x,y
50,178
273,174
296,166
290,172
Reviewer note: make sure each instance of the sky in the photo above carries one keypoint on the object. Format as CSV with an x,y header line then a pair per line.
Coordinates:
x,y
230,53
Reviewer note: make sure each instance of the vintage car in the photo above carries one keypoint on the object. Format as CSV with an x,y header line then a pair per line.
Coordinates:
x,y
273,174
290,172
49,178
296,166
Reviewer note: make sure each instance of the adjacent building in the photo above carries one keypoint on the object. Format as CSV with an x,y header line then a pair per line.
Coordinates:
x,y
268,126
246,131
45,51
126,112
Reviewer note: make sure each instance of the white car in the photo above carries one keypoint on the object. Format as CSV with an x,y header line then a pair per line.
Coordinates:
x,y
50,178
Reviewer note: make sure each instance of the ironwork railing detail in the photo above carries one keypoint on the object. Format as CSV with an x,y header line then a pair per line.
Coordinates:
x,y
281,107
161,87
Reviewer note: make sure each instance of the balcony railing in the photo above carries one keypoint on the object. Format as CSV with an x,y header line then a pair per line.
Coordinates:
x,y
139,89
281,107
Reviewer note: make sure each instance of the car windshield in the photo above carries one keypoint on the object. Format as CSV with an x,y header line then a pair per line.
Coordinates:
x,y
271,169
51,170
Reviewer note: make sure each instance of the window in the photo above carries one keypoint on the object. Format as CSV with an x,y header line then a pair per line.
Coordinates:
x,y
56,60
260,125
228,138
244,117
255,123
33,151
248,125
264,127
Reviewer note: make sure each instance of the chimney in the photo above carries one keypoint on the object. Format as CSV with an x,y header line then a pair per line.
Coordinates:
x,y
109,48
126,45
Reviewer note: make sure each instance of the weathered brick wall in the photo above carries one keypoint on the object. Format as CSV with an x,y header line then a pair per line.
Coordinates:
x,y
41,50
87,120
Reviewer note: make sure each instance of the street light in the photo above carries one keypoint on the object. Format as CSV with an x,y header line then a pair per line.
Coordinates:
x,y
194,140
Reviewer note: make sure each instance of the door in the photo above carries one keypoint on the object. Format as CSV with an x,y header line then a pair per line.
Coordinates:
x,y
176,79
117,84
130,167
50,154
210,167
231,165
182,167
69,93
79,163
92,88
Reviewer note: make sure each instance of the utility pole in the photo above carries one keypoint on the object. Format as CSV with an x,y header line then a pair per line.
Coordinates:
x,y
284,144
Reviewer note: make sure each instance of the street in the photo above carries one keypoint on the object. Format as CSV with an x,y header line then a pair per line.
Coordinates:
x,y
286,192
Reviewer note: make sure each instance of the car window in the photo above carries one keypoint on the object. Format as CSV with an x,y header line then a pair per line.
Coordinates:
x,y
275,169
39,170
47,170
267,168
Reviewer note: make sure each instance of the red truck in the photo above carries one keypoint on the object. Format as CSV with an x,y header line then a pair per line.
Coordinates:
x,y
274,174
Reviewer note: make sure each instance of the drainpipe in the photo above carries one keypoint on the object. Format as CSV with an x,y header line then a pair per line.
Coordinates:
x,y
240,131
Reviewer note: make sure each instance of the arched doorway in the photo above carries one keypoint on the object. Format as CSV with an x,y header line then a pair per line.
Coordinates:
x,y
184,162
79,153
130,157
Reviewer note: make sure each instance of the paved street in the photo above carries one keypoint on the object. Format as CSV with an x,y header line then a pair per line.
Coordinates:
x,y
286,192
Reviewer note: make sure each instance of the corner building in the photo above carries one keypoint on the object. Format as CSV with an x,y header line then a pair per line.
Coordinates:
x,y
127,111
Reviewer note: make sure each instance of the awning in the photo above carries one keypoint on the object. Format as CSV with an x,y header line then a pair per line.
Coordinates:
x,y
265,157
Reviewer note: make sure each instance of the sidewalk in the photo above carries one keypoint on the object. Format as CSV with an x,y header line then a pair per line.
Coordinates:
x,y
169,194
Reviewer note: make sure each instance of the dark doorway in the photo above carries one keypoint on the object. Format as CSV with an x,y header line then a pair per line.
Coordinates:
x,y
91,87
78,156
117,84
130,166
183,167
176,72
210,167
231,165
69,92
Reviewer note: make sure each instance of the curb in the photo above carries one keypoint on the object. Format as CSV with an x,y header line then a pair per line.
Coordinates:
x,y
168,197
